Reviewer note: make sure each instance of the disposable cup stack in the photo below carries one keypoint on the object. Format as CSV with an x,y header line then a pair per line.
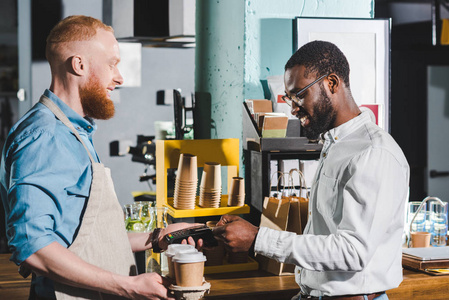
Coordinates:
x,y
237,192
210,187
186,182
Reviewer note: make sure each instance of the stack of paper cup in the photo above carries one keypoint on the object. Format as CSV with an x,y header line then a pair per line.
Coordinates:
x,y
237,192
186,182
174,249
189,268
210,187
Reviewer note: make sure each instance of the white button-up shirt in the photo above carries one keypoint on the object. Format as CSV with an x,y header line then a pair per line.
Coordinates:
x,y
353,239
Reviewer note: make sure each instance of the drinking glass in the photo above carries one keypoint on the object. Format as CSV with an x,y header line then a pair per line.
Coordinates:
x,y
132,221
438,215
139,216
145,213
419,223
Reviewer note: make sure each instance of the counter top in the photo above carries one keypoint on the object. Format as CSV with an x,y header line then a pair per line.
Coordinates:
x,y
261,285
250,285
12,285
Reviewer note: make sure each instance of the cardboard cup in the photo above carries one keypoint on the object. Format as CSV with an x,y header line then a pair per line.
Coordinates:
x,y
187,168
189,268
236,200
211,224
209,199
211,178
237,186
185,194
172,250
420,239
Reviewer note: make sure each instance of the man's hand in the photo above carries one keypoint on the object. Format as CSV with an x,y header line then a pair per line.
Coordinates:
x,y
149,286
175,227
237,234
60,264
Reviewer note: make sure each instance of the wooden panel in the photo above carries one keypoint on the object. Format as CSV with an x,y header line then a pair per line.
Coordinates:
x,y
250,285
419,286
12,285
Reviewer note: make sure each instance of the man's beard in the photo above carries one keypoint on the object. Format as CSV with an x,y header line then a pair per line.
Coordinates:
x,y
323,118
95,101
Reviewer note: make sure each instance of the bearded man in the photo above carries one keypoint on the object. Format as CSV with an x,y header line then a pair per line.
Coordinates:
x,y
64,222
352,245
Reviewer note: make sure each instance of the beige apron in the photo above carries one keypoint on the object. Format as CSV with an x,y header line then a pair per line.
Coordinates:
x,y
102,240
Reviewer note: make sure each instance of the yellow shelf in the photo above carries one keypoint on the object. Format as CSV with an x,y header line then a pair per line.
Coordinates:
x,y
223,151
204,211
227,267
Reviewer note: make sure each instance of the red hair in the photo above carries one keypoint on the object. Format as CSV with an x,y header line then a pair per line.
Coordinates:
x,y
71,29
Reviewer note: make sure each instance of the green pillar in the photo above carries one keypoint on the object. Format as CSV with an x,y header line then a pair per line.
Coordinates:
x,y
219,68
241,42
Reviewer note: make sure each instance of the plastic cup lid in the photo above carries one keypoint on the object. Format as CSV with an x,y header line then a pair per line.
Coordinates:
x,y
191,257
173,249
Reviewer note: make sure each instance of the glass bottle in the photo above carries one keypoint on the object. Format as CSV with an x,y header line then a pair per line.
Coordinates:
x,y
157,262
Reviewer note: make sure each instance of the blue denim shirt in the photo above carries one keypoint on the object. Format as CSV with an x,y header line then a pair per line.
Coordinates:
x,y
45,179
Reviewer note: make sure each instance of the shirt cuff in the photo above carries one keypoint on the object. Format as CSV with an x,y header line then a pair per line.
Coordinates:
x,y
22,252
274,243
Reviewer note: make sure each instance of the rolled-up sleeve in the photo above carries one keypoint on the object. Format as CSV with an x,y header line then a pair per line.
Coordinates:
x,y
40,172
30,227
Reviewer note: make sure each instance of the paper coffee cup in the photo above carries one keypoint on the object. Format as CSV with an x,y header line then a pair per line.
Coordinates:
x,y
211,224
211,178
189,268
187,168
237,195
420,239
174,249
238,186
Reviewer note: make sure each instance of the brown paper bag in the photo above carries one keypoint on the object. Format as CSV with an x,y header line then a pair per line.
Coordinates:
x,y
276,208
299,198
280,214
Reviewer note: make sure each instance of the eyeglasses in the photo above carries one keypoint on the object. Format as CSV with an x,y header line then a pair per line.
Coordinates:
x,y
298,98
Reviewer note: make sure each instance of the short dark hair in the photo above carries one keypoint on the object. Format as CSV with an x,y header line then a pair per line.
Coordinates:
x,y
321,57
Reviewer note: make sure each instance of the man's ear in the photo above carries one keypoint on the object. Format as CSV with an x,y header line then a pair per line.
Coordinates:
x,y
78,65
334,83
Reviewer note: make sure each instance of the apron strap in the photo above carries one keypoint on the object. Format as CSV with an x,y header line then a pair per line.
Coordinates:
x,y
63,118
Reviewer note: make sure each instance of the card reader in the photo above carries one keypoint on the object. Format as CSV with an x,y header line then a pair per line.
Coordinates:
x,y
197,232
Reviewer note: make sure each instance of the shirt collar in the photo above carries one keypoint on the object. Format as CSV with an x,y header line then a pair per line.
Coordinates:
x,y
344,129
79,122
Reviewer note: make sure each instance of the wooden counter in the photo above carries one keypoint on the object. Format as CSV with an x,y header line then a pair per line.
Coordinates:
x,y
250,285
12,285
262,286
